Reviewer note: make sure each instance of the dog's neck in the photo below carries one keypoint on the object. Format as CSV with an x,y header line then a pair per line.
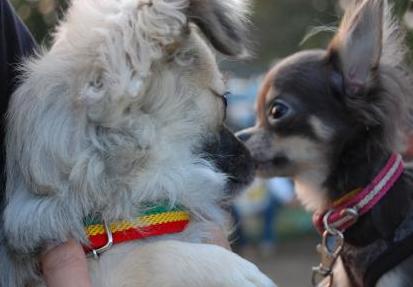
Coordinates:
x,y
355,165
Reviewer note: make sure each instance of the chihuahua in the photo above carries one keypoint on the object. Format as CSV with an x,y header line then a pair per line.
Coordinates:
x,y
330,119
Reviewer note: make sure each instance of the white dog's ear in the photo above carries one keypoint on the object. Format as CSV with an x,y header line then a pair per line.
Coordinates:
x,y
224,23
358,44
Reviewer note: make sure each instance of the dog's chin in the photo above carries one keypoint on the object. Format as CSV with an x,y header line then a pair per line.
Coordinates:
x,y
240,171
279,166
237,184
232,158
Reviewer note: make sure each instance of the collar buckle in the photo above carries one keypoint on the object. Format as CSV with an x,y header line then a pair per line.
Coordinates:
x,y
95,253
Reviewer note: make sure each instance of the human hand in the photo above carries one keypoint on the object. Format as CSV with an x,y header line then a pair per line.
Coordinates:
x,y
65,266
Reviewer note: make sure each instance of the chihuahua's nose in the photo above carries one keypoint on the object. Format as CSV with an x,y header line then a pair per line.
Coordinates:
x,y
244,135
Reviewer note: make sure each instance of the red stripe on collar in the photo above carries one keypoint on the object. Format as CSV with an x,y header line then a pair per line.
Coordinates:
x,y
344,214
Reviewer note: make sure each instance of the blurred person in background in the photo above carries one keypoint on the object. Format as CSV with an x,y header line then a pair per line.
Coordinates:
x,y
261,204
280,193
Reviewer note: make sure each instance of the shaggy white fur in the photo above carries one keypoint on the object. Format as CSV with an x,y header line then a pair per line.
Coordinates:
x,y
115,115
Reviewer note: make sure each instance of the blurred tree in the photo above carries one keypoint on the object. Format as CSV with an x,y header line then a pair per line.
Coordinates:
x,y
401,7
279,26
282,24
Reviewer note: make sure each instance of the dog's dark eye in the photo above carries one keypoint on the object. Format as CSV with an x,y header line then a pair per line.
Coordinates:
x,y
278,110
225,98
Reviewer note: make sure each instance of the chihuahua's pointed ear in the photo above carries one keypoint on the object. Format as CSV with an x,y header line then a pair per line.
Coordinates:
x,y
357,47
224,23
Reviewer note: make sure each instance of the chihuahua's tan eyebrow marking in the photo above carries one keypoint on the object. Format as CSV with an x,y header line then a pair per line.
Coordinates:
x,y
262,96
322,130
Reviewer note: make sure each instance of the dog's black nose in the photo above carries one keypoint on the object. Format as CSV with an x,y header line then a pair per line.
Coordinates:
x,y
244,136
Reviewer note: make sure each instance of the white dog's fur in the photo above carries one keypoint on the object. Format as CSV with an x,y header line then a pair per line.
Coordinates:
x,y
176,264
114,116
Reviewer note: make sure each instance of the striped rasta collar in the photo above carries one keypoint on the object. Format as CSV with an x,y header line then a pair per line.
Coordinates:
x,y
154,221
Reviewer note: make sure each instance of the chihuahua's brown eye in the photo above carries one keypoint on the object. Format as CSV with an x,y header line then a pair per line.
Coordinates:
x,y
278,110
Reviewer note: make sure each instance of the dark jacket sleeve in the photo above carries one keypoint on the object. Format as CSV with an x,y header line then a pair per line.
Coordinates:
x,y
16,42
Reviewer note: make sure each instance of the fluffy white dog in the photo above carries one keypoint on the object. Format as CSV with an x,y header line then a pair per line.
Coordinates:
x,y
126,109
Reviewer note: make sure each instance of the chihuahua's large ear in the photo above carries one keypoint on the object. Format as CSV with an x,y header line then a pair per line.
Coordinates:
x,y
358,45
224,23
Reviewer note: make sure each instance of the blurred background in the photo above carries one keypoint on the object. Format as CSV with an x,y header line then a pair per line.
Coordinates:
x,y
273,230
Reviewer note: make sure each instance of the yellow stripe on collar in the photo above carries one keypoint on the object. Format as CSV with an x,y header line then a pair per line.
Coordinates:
x,y
139,222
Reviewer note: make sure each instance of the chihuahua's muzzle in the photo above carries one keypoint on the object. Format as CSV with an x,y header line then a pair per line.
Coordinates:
x,y
268,160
